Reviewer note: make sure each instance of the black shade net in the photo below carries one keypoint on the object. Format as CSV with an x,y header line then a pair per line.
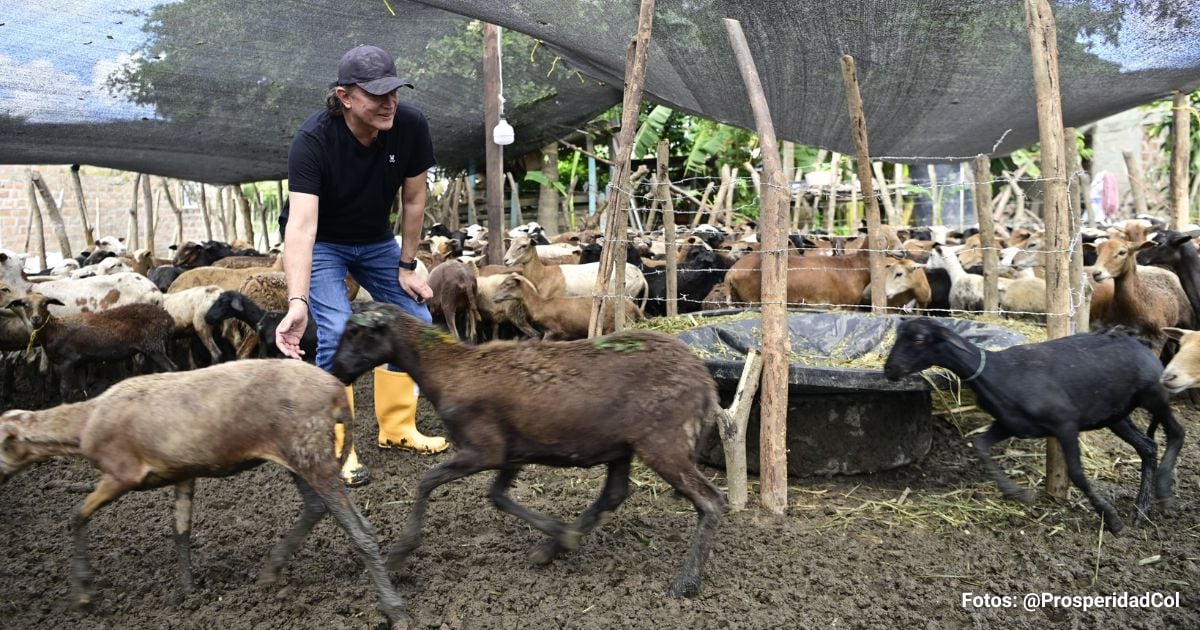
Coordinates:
x,y
941,80
212,90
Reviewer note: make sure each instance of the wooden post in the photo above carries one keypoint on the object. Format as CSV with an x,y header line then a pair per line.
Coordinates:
x,y
89,238
1137,182
898,180
789,173
875,239
148,199
615,237
493,153
221,214
131,240
204,213
175,210
773,234
36,228
668,205
987,233
1075,279
262,218
56,220
732,427
1181,150
889,208
1039,20
242,205
514,200
835,178
547,214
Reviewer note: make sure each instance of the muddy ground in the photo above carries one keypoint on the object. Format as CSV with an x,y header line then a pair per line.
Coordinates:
x,y
848,553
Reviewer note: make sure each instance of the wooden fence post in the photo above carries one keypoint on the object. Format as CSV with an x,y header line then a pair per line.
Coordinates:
x,y
35,226
56,219
668,209
1181,150
876,242
1039,20
89,238
987,233
773,253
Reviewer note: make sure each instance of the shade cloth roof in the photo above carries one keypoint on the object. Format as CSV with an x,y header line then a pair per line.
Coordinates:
x,y
212,90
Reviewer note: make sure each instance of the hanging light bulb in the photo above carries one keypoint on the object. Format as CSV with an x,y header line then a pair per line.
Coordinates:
x,y
503,134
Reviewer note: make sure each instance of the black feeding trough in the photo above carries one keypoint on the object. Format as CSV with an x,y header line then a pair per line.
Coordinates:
x,y
840,419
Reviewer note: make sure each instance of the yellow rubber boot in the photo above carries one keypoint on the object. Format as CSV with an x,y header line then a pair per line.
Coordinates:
x,y
396,409
354,473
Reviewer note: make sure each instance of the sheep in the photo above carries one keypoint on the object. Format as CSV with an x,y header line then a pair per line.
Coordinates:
x,y
1024,297
966,289
228,279
1146,302
14,324
192,255
562,317
164,275
242,262
1056,388
701,270
106,267
580,280
906,283
189,309
499,313
454,291
1176,251
71,341
1183,372
168,429
831,281
99,293
561,404
232,304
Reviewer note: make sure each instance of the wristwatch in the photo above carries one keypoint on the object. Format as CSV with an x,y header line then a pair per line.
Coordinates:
x,y
410,265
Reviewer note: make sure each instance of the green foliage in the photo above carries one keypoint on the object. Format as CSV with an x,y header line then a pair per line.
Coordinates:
x,y
542,180
645,143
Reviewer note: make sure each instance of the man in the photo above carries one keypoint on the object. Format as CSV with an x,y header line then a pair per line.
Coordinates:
x,y
345,166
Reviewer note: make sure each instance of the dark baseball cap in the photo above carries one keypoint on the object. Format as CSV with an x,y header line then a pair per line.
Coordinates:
x,y
370,68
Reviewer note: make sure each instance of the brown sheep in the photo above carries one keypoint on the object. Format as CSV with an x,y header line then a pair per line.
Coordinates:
x,y
70,341
167,429
1146,302
562,317
454,292
556,403
830,281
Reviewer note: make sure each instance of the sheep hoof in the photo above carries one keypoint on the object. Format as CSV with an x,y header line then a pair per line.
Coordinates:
x,y
268,577
1114,525
545,552
684,587
569,539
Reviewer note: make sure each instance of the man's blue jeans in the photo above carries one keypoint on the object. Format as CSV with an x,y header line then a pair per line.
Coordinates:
x,y
375,266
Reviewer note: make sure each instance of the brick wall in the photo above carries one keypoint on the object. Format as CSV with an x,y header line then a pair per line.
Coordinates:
x,y
107,192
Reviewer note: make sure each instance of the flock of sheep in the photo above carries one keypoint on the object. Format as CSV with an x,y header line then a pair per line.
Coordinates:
x,y
158,430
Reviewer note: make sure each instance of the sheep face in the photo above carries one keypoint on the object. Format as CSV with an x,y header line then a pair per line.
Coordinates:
x,y
915,348
34,308
510,289
1116,257
15,455
374,335
519,252
1183,371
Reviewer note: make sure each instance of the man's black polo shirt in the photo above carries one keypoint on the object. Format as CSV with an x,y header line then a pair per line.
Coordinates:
x,y
356,184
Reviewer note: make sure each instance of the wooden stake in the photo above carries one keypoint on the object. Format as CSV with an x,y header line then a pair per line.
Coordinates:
x,y
875,239
36,228
773,235
732,426
835,179
987,233
889,207
1181,150
89,238
615,236
1137,182
131,240
1075,279
493,153
1039,20
175,210
56,219
668,205
204,213
148,198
